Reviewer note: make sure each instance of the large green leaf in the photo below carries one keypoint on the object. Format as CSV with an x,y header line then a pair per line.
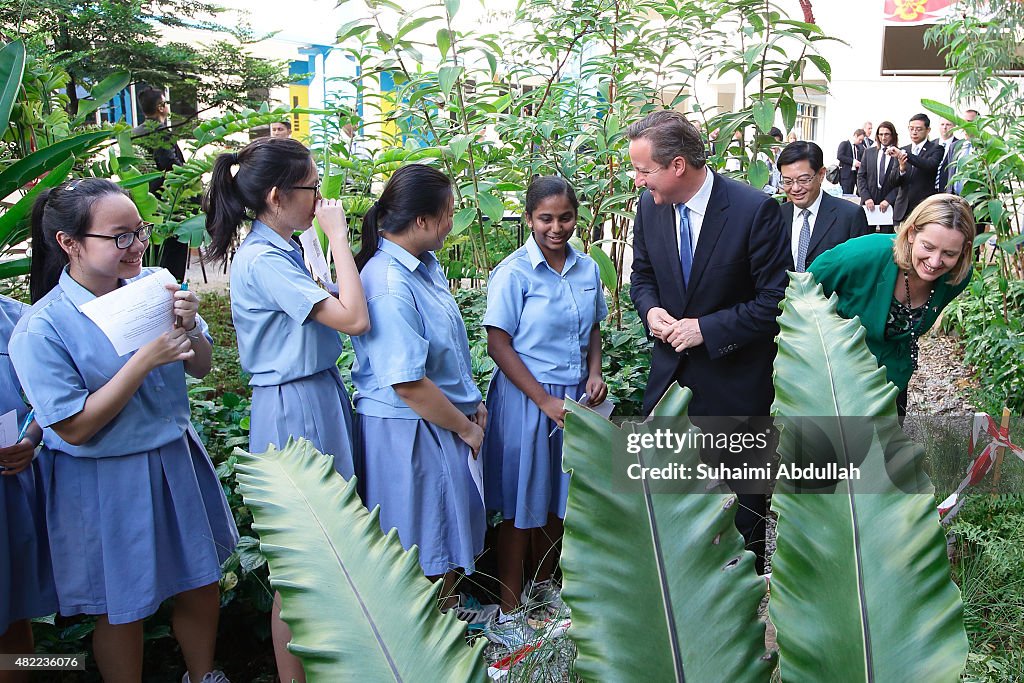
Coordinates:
x,y
14,223
358,605
659,584
46,159
12,68
102,93
861,587
15,267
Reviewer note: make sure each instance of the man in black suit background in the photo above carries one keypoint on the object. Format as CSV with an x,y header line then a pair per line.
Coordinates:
x,y
817,221
710,256
849,154
918,165
950,147
876,177
155,136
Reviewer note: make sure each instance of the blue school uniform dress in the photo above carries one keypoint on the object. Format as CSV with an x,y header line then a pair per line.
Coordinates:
x,y
136,514
416,471
549,316
26,579
296,388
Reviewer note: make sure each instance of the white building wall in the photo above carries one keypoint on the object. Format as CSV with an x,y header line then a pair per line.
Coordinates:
x,y
858,91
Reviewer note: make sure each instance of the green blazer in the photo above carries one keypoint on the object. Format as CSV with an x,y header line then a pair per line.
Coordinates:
x,y
862,273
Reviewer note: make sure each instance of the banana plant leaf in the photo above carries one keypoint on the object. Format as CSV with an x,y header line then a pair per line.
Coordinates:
x,y
101,93
358,605
861,587
39,162
660,586
12,69
15,267
14,223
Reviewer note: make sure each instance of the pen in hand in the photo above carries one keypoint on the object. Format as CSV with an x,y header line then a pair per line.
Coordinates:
x,y
24,425
178,322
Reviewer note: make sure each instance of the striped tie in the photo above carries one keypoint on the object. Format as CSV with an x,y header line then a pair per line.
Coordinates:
x,y
804,243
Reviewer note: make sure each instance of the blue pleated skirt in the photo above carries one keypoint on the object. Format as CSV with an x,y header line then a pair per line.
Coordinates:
x,y
315,408
418,473
128,532
522,459
26,578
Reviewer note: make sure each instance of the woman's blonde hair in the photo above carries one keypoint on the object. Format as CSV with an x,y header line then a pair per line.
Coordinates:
x,y
949,211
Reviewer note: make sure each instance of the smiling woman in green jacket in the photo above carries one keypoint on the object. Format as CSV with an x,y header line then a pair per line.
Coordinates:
x,y
899,284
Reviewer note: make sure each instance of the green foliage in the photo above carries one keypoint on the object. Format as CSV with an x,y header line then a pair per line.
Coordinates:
x,y
989,318
626,359
851,548
12,67
91,40
556,97
989,566
695,610
338,574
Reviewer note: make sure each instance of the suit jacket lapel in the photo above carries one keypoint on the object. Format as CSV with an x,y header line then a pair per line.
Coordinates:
x,y
668,229
824,222
710,231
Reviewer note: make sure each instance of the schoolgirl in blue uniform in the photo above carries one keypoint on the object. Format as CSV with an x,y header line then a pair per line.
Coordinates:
x,y
544,306
134,511
420,414
26,580
287,326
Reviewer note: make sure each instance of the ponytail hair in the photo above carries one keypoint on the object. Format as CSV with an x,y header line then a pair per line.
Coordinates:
x,y
232,198
414,190
65,208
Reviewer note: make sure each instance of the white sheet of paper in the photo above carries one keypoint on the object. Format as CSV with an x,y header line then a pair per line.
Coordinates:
x,y
8,428
316,260
877,217
476,470
604,408
136,314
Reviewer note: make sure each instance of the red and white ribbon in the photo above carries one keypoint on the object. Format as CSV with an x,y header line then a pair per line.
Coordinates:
x,y
981,465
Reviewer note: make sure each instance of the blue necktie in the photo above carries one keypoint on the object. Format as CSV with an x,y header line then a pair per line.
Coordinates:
x,y
685,242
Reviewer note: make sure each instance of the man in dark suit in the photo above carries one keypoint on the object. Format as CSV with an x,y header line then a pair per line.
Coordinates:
x,y
876,177
849,154
868,128
817,221
155,136
918,165
950,146
710,256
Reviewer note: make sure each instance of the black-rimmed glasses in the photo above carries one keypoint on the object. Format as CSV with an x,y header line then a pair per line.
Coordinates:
x,y
127,239
315,188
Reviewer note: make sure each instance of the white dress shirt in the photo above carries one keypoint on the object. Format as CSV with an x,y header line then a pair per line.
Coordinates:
x,y
698,208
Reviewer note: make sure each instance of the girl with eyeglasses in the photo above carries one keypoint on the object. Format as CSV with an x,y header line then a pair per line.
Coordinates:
x,y
134,511
286,324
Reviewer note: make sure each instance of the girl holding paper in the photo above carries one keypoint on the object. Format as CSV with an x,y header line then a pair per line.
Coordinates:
x,y
287,326
134,511
26,579
420,414
544,308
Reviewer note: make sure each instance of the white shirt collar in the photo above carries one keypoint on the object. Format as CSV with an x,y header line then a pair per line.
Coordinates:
x,y
698,203
813,208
